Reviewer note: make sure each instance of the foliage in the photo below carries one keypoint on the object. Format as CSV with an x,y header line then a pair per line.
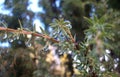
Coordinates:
x,y
80,40
19,11
84,56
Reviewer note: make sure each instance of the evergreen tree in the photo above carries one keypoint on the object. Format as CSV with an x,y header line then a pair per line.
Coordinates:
x,y
84,33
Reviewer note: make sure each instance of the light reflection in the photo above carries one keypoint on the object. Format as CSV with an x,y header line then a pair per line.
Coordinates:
x,y
4,44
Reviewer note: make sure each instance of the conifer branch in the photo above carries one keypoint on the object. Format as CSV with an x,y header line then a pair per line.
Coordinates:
x,y
27,32
22,31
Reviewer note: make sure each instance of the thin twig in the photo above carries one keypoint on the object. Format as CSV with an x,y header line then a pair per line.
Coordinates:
x,y
27,32
69,33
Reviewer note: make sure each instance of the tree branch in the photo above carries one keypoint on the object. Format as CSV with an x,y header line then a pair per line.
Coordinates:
x,y
27,32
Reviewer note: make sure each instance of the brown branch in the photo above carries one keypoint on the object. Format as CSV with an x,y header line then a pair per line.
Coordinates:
x,y
71,37
27,32
37,34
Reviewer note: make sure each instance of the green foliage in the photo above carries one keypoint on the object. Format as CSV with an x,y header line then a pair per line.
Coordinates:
x,y
114,4
61,29
99,25
19,11
33,54
87,54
